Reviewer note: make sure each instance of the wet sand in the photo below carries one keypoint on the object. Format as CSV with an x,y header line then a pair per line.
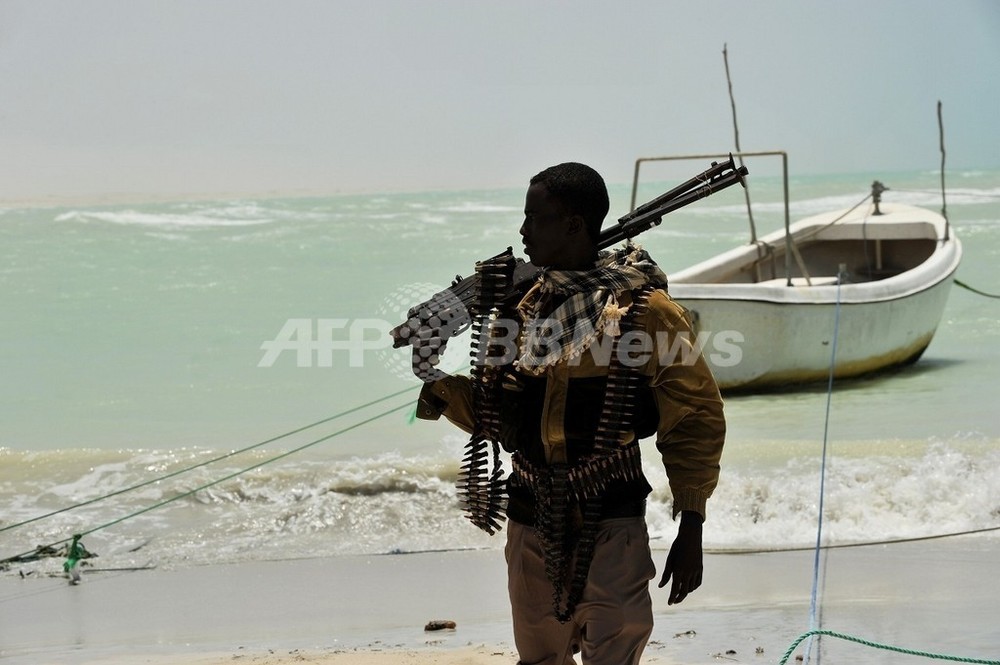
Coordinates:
x,y
934,596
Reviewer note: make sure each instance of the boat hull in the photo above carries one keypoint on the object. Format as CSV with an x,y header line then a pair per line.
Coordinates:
x,y
754,345
773,333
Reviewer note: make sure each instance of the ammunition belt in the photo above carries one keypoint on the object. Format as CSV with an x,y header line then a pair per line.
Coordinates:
x,y
480,485
585,481
612,459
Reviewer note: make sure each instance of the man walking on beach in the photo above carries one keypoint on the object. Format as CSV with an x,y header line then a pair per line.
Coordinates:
x,y
601,357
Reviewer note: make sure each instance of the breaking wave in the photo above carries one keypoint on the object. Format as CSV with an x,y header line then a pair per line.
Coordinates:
x,y
396,503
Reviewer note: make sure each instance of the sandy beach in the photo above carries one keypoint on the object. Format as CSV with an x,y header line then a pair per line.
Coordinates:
x,y
935,596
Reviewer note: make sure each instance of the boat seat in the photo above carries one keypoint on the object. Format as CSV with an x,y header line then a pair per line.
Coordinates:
x,y
822,280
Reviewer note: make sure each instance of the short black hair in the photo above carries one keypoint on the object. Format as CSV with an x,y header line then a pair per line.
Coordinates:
x,y
581,189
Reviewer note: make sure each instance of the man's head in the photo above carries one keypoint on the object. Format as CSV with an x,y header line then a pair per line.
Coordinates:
x,y
563,212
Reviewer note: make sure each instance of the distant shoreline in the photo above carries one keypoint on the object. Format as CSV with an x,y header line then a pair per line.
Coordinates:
x,y
132,198
125,198
150,198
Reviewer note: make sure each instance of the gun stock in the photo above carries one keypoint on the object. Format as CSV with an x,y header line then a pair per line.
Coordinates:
x,y
451,306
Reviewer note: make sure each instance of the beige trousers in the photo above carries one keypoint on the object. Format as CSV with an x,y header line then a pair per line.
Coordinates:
x,y
614,617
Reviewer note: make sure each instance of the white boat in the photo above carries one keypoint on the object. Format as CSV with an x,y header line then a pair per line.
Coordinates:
x,y
766,313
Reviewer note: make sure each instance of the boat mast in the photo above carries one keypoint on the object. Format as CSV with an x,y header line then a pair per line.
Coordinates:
x,y
736,133
944,204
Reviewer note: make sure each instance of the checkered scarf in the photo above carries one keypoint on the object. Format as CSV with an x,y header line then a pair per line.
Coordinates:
x,y
590,308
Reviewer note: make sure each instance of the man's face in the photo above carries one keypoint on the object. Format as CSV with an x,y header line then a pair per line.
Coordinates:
x,y
545,228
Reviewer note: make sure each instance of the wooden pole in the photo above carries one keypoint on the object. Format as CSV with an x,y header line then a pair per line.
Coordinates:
x,y
944,203
736,132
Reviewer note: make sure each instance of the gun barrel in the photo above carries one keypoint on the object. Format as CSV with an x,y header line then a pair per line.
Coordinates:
x,y
714,171
649,215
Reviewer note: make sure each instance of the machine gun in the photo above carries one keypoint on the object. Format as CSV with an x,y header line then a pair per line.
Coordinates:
x,y
448,310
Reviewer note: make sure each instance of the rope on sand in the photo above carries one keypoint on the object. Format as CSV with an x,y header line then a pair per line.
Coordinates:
x,y
838,546
877,645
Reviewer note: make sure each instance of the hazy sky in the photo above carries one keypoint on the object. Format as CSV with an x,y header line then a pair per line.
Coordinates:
x,y
244,96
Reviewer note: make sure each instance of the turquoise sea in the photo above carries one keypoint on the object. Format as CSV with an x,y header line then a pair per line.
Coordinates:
x,y
134,343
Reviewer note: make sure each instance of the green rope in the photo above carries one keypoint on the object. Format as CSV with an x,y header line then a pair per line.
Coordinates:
x,y
214,482
876,645
201,464
959,282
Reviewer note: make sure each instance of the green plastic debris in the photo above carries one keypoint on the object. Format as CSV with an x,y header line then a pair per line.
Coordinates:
x,y
76,552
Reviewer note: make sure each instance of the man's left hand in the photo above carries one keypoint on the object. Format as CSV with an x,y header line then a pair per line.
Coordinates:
x,y
684,562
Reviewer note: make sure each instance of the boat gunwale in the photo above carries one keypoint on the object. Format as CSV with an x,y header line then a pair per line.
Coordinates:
x,y
940,266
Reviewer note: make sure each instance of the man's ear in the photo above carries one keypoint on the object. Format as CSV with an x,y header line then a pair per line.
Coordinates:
x,y
576,225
